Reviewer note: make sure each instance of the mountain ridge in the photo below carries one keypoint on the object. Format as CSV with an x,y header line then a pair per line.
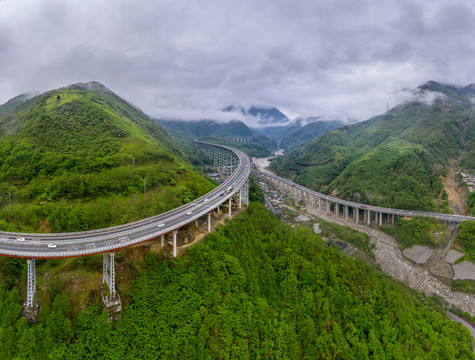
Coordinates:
x,y
396,159
66,153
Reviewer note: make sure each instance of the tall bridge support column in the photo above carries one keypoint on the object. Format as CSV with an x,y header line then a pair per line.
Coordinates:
x,y
356,215
392,220
380,218
175,233
337,210
328,206
209,222
230,207
30,309
346,212
162,240
31,282
108,271
246,192
319,203
368,217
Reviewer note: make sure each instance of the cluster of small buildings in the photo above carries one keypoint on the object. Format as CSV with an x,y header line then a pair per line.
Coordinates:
x,y
216,177
469,180
274,200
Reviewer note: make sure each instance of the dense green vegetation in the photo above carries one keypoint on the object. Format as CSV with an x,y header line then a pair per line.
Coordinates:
x,y
255,191
360,240
417,231
467,286
297,135
183,133
396,159
255,289
76,159
466,239
471,202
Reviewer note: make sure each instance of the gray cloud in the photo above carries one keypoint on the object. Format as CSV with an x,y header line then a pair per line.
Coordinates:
x,y
191,59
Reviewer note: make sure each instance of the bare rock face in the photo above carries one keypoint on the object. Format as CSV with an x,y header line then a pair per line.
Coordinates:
x,y
464,271
418,254
453,256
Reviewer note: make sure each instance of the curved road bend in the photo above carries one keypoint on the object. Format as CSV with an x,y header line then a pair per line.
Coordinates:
x,y
439,216
464,323
29,245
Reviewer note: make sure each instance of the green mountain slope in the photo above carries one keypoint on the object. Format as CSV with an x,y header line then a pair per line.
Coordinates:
x,y
78,158
395,159
298,135
255,289
183,133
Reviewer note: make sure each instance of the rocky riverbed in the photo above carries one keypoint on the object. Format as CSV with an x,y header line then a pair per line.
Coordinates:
x,y
394,263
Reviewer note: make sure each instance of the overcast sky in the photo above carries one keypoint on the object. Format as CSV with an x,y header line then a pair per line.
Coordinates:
x,y
190,59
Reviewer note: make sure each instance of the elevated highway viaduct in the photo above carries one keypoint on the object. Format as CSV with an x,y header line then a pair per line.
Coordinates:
x,y
364,213
31,246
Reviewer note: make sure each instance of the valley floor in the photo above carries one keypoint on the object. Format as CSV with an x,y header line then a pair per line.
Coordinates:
x,y
394,263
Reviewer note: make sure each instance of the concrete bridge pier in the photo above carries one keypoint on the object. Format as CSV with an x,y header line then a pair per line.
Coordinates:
x,y
209,222
175,233
319,203
244,194
30,309
162,240
328,206
337,210
346,212
108,271
230,208
368,217
380,219
111,302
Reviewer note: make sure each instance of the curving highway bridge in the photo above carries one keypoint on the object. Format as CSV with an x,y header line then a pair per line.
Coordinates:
x,y
235,163
359,212
237,166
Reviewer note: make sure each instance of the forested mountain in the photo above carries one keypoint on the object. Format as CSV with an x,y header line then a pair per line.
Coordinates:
x,y
255,289
262,116
302,131
17,100
396,159
78,158
183,133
